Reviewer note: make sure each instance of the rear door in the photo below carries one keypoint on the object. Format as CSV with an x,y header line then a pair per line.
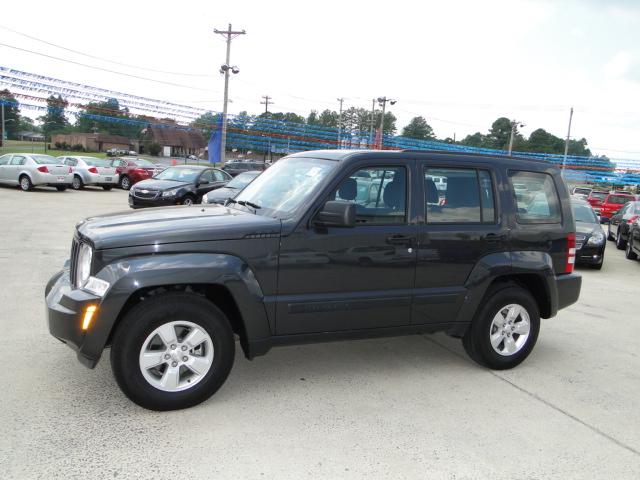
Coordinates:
x,y
460,225
15,165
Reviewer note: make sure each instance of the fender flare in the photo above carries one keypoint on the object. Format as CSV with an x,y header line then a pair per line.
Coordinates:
x,y
130,275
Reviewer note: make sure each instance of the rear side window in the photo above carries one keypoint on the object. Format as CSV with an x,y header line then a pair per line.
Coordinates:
x,y
540,203
457,195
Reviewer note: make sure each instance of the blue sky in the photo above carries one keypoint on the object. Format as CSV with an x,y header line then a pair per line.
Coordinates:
x,y
460,64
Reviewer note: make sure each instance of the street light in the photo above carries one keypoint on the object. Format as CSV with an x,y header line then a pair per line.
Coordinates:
x,y
382,101
514,124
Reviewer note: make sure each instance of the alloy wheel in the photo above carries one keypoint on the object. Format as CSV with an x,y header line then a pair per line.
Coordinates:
x,y
176,356
510,329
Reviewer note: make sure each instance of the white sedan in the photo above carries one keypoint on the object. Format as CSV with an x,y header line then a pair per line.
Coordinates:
x,y
30,170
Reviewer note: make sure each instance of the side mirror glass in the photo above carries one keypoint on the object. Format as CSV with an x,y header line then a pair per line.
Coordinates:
x,y
337,214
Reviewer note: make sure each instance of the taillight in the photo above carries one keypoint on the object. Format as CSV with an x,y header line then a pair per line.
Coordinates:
x,y
43,169
140,171
93,170
633,219
571,252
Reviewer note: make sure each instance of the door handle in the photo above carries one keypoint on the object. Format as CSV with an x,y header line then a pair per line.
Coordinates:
x,y
400,240
495,238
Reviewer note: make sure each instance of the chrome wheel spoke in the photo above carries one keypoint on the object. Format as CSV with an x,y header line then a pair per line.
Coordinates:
x,y
171,378
499,319
195,337
198,365
151,359
510,345
522,327
167,333
496,339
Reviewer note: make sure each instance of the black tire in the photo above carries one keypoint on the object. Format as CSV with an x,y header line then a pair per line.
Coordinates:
x,y
629,253
477,342
620,242
107,187
609,236
26,185
188,200
125,183
61,188
77,183
143,319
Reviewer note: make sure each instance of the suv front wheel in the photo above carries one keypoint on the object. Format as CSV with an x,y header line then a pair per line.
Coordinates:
x,y
505,329
172,351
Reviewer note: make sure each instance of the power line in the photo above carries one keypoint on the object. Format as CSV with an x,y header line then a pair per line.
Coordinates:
x,y
102,58
104,69
266,103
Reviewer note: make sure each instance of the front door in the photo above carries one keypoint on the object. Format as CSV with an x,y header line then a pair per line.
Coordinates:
x,y
460,226
336,279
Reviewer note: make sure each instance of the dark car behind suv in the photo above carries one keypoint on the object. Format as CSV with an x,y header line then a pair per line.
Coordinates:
x,y
235,168
304,254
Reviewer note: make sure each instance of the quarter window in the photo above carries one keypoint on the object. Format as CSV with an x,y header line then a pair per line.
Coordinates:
x,y
457,195
379,194
539,203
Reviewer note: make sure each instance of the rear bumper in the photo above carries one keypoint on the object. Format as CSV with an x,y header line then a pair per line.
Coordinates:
x,y
50,179
568,289
65,311
93,179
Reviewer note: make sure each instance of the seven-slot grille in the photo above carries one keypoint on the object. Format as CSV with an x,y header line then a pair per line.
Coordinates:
x,y
75,248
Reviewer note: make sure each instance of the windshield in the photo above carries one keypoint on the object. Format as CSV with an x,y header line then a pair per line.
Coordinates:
x,y
242,180
45,159
584,214
179,174
282,188
582,191
598,195
96,162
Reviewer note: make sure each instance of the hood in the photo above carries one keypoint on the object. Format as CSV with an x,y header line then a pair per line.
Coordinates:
x,y
153,184
221,194
173,225
587,228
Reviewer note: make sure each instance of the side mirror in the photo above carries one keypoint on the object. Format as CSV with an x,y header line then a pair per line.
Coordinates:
x,y
337,214
203,182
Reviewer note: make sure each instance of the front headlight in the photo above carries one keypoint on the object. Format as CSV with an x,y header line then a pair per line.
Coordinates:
x,y
169,193
596,239
83,268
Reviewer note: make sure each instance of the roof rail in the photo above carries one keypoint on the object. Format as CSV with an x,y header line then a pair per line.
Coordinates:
x,y
478,154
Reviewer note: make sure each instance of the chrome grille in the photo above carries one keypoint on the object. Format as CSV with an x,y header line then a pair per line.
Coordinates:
x,y
145,194
580,237
75,248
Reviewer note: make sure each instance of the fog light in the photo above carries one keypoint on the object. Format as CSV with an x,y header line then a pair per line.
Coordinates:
x,y
96,286
88,316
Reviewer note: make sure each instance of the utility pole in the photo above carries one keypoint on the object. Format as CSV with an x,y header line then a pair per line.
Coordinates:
x,y
566,143
373,120
230,35
340,123
266,103
2,122
382,101
514,125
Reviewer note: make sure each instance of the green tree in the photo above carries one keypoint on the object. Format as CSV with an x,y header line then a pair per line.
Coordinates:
x,y
544,142
328,118
500,133
54,120
312,119
418,128
11,114
475,140
107,117
207,122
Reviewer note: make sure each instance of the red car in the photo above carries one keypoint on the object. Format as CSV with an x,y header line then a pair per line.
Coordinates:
x,y
595,199
133,170
612,203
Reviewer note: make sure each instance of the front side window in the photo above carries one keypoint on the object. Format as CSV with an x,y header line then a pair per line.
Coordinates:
x,y
220,176
541,203
459,195
207,176
379,194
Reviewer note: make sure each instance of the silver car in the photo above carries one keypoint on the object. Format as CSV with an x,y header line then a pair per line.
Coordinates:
x,y
30,170
91,171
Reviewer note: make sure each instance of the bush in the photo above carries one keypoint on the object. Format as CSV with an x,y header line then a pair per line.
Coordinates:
x,y
154,149
77,147
58,145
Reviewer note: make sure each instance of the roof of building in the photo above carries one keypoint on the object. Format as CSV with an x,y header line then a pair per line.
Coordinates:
x,y
177,137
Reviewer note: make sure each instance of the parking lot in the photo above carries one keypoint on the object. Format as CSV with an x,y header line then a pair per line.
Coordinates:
x,y
408,407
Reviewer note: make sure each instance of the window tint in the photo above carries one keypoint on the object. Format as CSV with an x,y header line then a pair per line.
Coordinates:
x,y
379,194
457,195
540,204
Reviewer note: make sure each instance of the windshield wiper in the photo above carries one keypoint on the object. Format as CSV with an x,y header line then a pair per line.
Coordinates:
x,y
247,203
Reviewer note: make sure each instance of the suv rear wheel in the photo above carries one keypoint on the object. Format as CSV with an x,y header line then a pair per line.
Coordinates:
x,y
505,329
172,351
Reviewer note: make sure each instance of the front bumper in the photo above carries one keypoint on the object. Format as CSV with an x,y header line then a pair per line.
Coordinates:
x,y
65,311
568,289
590,254
135,202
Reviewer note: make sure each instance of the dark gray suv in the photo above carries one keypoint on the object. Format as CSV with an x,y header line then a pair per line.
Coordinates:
x,y
322,246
